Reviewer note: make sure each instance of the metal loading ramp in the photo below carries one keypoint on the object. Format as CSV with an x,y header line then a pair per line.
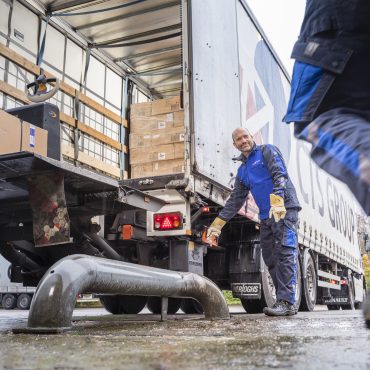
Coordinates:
x,y
55,297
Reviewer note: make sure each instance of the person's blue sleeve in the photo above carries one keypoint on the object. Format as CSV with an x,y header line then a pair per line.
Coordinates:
x,y
276,166
235,202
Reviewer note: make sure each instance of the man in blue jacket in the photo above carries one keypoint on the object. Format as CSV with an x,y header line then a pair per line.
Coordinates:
x,y
330,90
264,174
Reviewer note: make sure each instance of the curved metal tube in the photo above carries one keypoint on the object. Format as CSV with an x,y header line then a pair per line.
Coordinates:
x,y
55,297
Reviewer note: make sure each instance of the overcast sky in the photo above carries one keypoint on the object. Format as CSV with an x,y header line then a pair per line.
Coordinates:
x,y
281,21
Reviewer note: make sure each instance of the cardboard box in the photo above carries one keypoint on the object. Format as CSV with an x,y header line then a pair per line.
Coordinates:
x,y
175,135
155,107
157,153
17,136
158,123
158,168
139,125
34,139
10,133
162,106
141,109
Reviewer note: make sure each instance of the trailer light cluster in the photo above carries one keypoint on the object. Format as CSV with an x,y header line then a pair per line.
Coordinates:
x,y
168,221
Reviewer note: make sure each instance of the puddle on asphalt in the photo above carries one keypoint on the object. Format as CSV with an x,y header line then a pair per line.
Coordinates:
x,y
244,342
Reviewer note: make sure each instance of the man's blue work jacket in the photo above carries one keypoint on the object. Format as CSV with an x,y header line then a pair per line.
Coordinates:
x,y
332,58
262,173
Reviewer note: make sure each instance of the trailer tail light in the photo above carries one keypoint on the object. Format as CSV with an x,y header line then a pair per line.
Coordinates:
x,y
168,221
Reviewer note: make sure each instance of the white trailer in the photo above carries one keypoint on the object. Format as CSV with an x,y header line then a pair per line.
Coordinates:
x,y
237,81
216,56
13,295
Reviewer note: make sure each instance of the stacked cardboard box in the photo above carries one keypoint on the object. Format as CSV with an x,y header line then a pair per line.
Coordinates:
x,y
157,138
17,136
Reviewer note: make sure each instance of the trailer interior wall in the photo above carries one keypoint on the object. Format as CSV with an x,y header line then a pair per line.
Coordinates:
x,y
238,82
123,50
100,118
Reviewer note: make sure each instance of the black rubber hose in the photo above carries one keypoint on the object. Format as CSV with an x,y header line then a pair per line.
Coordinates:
x,y
18,258
103,246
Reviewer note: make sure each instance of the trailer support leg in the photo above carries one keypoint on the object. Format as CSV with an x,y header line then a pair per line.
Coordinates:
x,y
53,303
164,308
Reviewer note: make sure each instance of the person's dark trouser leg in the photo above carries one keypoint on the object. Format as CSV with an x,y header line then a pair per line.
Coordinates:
x,y
286,234
267,240
286,274
285,264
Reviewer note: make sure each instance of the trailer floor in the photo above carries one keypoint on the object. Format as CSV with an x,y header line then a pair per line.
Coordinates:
x,y
316,340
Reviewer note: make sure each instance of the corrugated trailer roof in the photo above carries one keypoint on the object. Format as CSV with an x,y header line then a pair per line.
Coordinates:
x,y
143,37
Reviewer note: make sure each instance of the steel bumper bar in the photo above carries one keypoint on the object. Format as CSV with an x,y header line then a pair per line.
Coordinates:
x,y
53,303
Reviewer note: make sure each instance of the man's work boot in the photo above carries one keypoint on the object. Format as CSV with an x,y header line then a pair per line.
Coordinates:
x,y
281,308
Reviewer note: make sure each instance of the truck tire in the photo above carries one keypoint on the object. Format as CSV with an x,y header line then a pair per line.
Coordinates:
x,y
123,304
9,301
268,294
154,305
309,286
191,306
252,306
24,301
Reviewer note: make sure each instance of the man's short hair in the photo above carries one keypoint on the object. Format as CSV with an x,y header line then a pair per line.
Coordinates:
x,y
240,128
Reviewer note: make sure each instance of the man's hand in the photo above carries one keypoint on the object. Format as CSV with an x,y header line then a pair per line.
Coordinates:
x,y
277,207
214,229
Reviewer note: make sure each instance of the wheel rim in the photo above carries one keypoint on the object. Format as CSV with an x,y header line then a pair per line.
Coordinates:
x,y
9,301
310,281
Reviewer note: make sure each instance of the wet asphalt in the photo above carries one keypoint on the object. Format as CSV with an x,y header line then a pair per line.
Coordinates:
x,y
312,340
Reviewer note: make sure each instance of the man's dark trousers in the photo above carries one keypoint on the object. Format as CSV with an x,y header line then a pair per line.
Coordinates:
x,y
279,250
